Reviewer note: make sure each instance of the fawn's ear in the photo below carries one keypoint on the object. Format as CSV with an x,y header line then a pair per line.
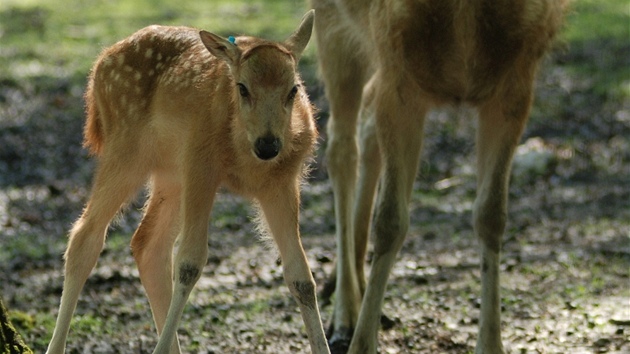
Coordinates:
x,y
221,47
299,39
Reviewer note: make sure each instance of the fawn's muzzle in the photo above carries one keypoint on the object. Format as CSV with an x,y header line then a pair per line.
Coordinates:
x,y
267,147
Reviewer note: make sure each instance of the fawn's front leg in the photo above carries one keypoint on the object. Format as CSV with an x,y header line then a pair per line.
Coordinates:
x,y
199,187
280,207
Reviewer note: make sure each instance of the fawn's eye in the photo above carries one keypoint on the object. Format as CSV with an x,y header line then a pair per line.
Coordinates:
x,y
242,90
293,92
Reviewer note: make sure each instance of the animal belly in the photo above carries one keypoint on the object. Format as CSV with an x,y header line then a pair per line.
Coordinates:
x,y
455,50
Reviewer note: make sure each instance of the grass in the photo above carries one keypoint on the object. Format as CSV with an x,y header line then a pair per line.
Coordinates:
x,y
591,23
46,38
596,19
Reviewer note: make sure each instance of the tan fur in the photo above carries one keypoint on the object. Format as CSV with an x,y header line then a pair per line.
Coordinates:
x,y
396,60
192,112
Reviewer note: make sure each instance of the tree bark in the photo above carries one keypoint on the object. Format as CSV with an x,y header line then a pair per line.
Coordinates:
x,y
10,340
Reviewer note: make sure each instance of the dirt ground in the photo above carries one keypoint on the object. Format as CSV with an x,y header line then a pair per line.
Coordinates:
x,y
566,256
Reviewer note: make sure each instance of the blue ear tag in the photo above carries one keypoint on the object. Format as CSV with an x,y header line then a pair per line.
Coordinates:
x,y
232,40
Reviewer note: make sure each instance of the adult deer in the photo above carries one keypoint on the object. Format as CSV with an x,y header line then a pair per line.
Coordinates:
x,y
192,112
396,60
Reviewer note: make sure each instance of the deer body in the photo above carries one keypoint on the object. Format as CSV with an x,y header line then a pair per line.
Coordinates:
x,y
390,63
192,112
166,96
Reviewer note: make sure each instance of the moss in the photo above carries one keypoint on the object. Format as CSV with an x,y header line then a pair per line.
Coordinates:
x,y
10,341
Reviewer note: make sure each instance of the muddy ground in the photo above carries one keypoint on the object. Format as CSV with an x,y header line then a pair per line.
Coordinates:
x,y
566,256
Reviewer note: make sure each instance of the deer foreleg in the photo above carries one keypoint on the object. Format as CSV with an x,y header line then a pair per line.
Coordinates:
x,y
399,124
280,208
501,123
199,189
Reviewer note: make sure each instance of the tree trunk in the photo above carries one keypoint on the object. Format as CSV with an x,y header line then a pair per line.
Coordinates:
x,y
10,340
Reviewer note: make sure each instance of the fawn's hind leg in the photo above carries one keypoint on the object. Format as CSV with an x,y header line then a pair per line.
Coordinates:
x,y
152,246
116,180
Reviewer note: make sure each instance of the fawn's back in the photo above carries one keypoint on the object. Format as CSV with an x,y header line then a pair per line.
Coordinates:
x,y
155,66
160,96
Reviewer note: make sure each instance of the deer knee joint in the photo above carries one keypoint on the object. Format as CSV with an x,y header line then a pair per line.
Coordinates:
x,y
341,153
489,227
188,274
304,292
391,224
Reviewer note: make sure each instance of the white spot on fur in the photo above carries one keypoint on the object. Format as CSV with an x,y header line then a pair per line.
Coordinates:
x,y
128,68
137,75
121,59
149,53
159,56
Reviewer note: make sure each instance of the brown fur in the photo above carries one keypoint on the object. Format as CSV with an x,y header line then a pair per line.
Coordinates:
x,y
192,112
396,60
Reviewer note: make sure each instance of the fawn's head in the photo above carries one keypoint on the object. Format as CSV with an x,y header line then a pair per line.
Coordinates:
x,y
267,88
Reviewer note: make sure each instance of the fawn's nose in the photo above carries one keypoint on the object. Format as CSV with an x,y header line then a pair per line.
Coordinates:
x,y
267,147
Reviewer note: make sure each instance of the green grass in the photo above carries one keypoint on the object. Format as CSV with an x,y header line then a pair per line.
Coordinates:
x,y
88,323
23,246
47,38
591,25
117,242
597,19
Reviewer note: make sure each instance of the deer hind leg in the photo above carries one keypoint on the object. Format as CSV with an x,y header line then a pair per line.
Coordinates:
x,y
115,182
280,208
344,74
152,246
399,113
369,173
501,124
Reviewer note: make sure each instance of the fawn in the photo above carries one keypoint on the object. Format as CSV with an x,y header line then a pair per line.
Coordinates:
x,y
192,112
391,62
